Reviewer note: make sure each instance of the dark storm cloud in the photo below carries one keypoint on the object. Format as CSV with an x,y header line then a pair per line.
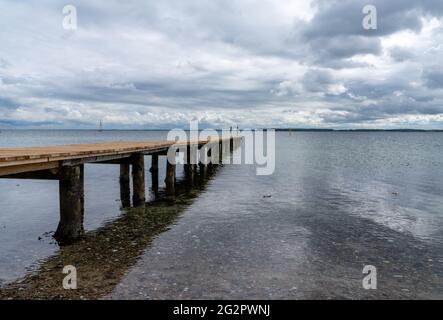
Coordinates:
x,y
6,103
327,50
401,54
336,31
336,18
434,78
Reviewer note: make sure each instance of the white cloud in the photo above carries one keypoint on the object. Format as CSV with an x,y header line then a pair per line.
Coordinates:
x,y
162,63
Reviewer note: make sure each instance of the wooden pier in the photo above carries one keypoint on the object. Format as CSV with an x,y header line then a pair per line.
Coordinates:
x,y
66,164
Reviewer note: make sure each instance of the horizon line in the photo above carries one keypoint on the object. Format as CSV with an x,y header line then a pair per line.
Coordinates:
x,y
233,129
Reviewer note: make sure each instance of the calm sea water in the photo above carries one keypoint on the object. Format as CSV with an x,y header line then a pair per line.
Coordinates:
x,y
337,201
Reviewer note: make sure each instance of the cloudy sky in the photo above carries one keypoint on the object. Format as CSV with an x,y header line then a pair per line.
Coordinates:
x,y
273,63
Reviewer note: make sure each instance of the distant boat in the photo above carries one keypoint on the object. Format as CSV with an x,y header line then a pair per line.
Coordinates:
x,y
100,127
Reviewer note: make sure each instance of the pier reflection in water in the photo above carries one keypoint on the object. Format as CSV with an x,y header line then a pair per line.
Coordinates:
x,y
103,256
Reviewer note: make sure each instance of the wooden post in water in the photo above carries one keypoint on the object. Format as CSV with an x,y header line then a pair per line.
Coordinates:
x,y
82,195
71,192
220,148
125,191
170,178
193,152
138,179
189,166
210,165
189,172
154,173
202,166
202,171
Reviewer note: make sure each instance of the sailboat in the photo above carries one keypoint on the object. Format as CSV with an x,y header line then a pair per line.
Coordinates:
x,y
100,127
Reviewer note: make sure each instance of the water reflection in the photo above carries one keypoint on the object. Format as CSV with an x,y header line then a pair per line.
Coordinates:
x,y
103,256
336,202
407,267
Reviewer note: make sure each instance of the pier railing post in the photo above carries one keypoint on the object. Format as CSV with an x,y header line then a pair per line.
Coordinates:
x,y
125,191
138,179
71,193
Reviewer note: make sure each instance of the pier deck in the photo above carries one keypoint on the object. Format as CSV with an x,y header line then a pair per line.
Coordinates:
x,y
66,164
21,160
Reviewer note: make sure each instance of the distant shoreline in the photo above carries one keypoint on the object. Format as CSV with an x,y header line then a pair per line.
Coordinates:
x,y
276,129
362,130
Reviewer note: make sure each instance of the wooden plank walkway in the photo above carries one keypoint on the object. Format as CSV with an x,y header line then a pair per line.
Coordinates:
x,y
66,164
21,160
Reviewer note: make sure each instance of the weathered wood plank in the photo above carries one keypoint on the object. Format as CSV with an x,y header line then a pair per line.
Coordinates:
x,y
22,168
51,174
20,160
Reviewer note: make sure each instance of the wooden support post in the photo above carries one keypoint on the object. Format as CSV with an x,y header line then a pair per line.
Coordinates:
x,y
138,179
194,170
220,148
210,165
202,171
71,190
154,173
170,178
82,194
125,191
231,150
188,172
189,167
202,166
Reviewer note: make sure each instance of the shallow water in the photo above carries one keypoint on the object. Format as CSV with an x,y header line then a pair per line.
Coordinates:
x,y
336,202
